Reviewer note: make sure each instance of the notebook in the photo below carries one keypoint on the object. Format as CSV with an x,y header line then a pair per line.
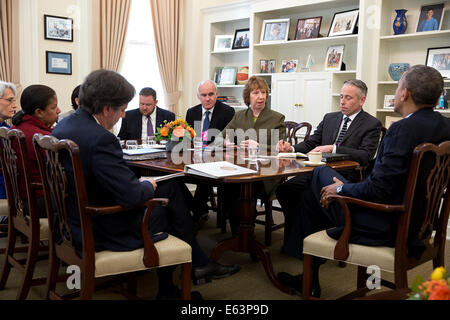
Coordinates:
x,y
330,157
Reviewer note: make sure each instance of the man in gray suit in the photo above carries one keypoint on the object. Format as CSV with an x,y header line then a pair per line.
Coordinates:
x,y
351,131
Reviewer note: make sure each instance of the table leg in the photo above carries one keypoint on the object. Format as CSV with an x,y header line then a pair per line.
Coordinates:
x,y
245,241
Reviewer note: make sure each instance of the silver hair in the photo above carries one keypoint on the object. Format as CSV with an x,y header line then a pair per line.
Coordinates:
x,y
362,87
5,85
204,82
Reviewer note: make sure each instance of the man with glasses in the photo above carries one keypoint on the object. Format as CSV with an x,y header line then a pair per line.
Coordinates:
x,y
143,122
7,109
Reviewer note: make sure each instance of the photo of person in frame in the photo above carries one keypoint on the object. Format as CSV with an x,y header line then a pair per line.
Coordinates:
x,y
430,17
275,31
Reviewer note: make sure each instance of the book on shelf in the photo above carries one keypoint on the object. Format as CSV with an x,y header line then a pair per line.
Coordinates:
x,y
219,169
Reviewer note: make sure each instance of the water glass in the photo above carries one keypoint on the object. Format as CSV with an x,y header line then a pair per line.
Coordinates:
x,y
131,144
252,152
198,144
150,140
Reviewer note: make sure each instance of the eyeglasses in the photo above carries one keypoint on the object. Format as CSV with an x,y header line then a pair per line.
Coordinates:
x,y
10,100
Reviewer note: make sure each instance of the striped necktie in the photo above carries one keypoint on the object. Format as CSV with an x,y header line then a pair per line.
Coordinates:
x,y
343,131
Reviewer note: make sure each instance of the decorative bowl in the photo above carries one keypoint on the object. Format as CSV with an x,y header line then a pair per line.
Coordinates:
x,y
242,75
397,69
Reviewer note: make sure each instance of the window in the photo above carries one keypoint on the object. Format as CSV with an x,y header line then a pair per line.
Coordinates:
x,y
140,64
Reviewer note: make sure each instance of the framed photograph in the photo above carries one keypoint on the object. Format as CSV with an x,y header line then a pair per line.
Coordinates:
x,y
241,39
58,28
58,62
343,23
223,43
289,65
309,62
333,59
225,75
430,17
308,28
272,65
439,58
389,101
275,30
264,66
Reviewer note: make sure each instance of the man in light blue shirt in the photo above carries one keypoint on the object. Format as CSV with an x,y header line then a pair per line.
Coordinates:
x,y
430,23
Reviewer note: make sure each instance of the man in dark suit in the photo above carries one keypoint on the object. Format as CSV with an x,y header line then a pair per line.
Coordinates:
x,y
208,119
351,131
143,122
417,94
104,96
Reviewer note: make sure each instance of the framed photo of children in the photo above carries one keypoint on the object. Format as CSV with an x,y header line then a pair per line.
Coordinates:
x,y
58,62
58,28
343,23
275,30
308,28
333,60
430,17
439,58
289,65
241,39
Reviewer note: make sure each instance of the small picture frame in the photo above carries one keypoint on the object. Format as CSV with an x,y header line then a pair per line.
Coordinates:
x,y
430,17
241,39
333,59
58,62
389,101
439,58
223,43
289,65
267,66
275,30
225,75
309,62
308,28
344,23
58,28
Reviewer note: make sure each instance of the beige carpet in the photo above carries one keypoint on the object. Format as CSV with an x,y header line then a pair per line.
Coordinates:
x,y
250,283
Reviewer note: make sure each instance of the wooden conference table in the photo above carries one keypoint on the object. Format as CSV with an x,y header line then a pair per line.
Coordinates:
x,y
267,168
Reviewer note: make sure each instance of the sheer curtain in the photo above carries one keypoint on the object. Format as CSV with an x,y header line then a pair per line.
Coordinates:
x,y
167,26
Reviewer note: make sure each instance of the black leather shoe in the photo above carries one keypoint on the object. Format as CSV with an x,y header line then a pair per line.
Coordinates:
x,y
175,294
296,283
213,270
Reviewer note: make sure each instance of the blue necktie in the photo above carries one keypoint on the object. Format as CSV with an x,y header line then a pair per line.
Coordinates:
x,y
206,122
343,131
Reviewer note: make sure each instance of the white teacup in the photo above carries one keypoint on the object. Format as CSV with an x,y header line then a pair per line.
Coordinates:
x,y
315,157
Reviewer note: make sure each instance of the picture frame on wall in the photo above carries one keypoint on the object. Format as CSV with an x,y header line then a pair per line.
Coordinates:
x,y
241,39
58,28
333,59
223,43
274,30
389,101
308,28
439,58
344,23
430,17
58,62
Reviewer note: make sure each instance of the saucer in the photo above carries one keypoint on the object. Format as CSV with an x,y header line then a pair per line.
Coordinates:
x,y
313,164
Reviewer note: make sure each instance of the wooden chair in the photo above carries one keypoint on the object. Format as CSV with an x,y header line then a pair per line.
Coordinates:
x,y
424,212
21,222
269,225
56,180
364,171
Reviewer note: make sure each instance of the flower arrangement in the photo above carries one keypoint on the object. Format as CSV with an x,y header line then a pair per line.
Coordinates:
x,y
438,288
175,130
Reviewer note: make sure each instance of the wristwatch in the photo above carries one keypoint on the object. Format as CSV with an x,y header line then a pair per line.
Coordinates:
x,y
339,189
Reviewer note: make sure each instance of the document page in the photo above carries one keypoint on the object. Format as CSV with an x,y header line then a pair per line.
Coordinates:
x,y
218,169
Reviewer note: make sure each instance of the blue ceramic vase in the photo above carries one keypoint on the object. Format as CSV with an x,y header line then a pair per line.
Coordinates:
x,y
396,70
400,23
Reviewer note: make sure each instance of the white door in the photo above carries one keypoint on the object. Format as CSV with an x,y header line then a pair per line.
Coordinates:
x,y
285,89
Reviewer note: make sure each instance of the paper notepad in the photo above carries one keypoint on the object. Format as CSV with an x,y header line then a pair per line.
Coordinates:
x,y
135,152
292,155
218,169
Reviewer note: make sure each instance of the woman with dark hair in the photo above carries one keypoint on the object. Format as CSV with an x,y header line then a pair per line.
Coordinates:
x,y
39,113
74,97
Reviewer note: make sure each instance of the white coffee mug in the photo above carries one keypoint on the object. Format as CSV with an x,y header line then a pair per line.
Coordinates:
x,y
315,157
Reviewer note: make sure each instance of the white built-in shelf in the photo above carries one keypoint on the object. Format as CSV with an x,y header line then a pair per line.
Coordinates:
x,y
416,35
446,81
385,110
336,95
231,51
345,72
309,42
230,86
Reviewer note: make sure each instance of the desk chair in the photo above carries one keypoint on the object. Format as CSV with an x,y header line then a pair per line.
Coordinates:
x,y
22,222
292,128
55,179
424,213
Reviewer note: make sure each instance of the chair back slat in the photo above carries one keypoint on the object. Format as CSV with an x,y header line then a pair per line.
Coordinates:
x,y
293,127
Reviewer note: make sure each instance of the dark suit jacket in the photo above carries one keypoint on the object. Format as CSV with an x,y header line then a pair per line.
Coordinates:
x,y
360,141
386,183
221,116
108,180
131,128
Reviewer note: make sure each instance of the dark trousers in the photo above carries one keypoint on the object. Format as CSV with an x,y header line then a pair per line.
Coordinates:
x,y
201,198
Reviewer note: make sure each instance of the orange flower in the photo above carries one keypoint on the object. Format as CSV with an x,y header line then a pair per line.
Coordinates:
x,y
440,291
178,132
192,132
164,131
